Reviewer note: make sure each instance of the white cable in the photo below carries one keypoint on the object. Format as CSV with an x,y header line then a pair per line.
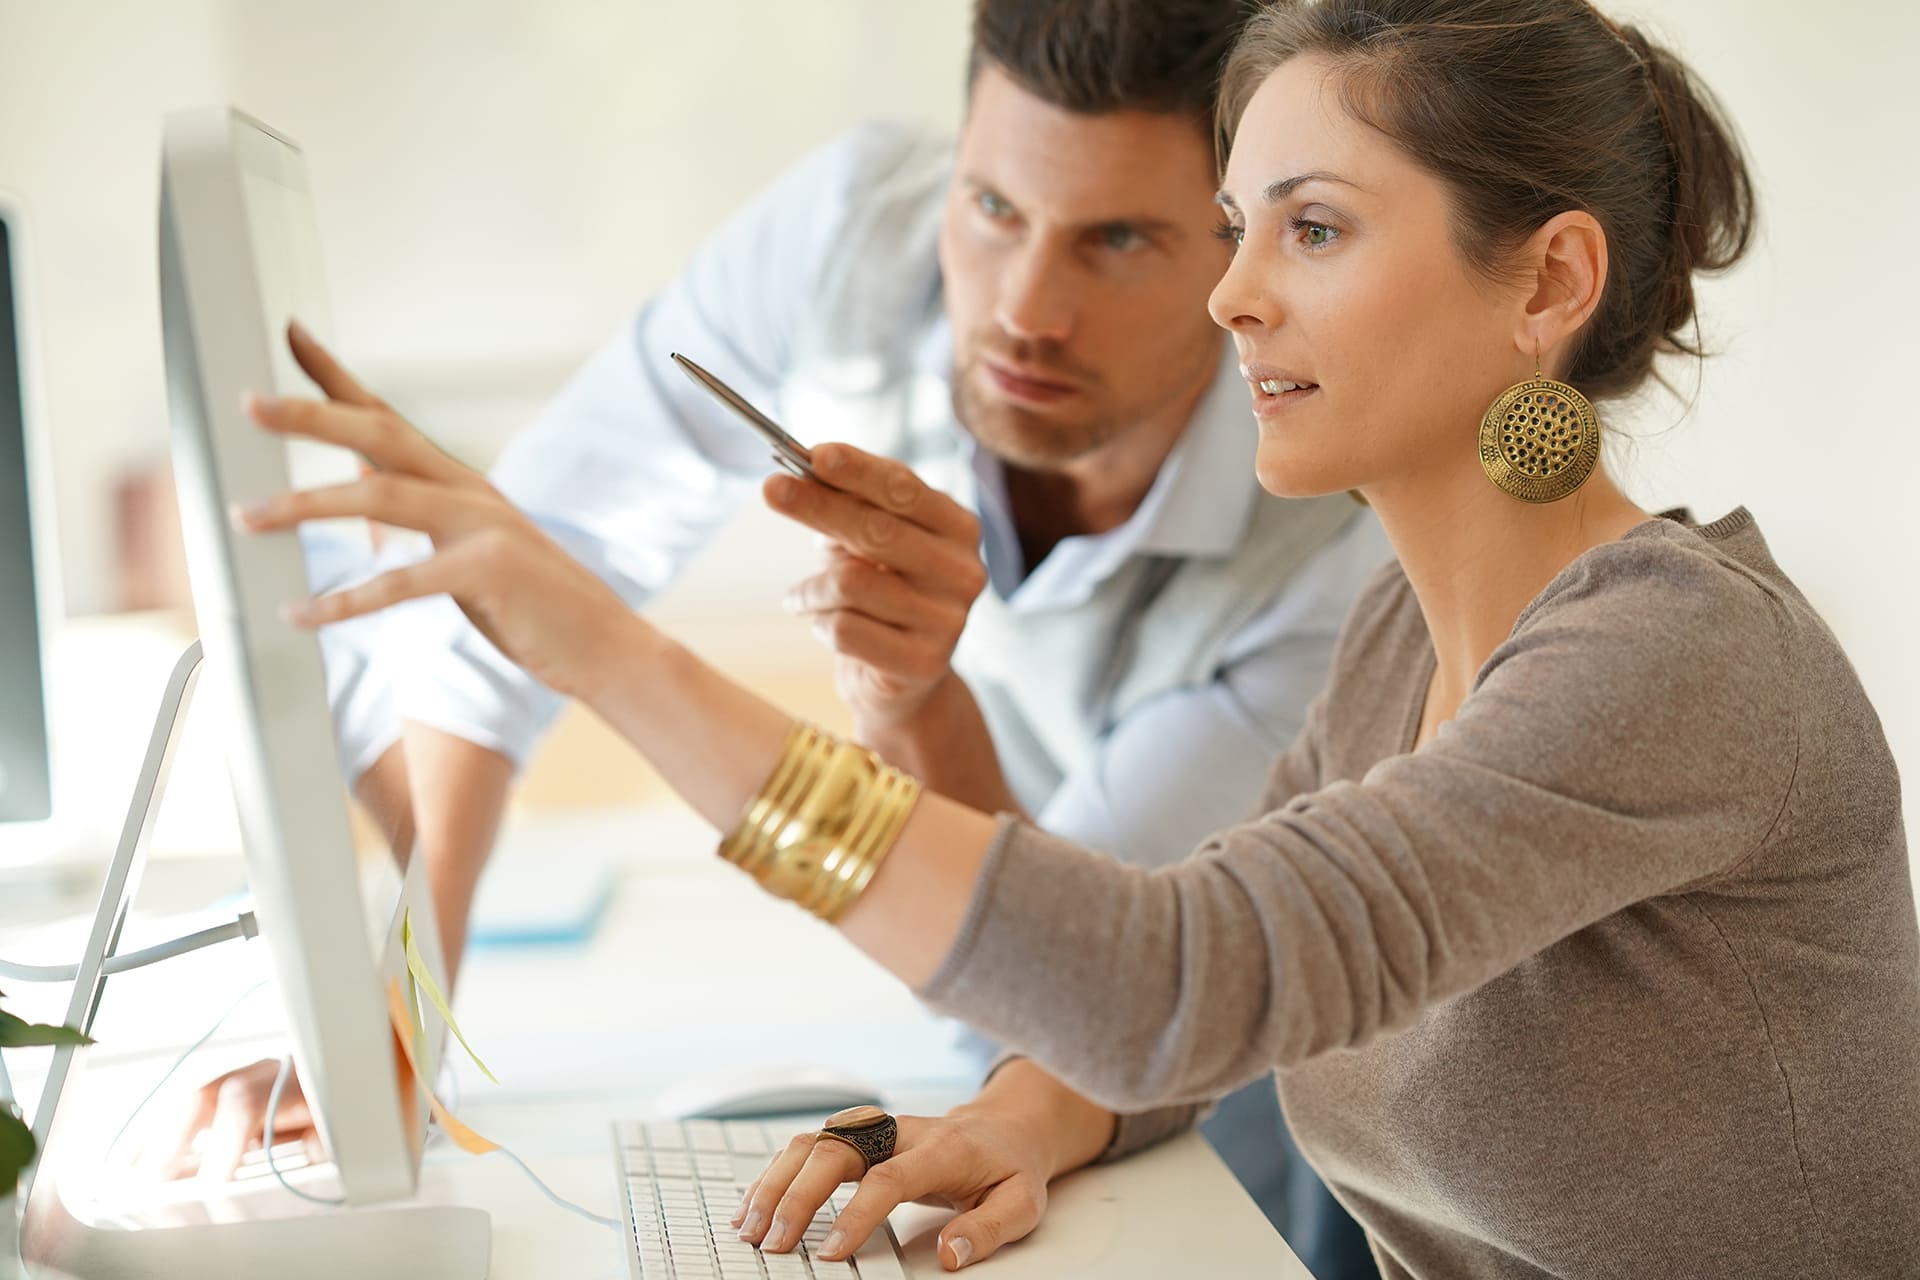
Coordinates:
x,y
242,926
559,1200
266,1138
177,1064
273,1109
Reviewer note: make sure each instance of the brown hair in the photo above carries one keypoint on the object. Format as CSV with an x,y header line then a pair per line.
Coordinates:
x,y
1096,56
1526,109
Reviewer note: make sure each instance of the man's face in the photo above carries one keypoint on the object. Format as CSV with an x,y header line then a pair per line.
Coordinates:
x,y
1078,253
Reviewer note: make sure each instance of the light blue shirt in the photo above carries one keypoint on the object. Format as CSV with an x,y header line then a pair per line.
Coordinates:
x,y
632,469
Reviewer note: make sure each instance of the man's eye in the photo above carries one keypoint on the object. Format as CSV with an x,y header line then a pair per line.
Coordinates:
x,y
1121,239
994,206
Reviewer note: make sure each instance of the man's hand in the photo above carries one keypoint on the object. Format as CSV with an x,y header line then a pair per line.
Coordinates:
x,y
225,1119
902,569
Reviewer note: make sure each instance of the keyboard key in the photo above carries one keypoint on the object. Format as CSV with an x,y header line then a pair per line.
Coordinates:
x,y
747,1138
665,1135
683,1184
706,1135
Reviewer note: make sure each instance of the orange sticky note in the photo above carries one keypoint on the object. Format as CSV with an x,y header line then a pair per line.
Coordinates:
x,y
404,1029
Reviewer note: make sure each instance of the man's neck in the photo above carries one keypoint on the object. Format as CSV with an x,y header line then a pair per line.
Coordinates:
x,y
1098,491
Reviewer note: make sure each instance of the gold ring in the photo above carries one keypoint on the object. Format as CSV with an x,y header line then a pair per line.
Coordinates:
x,y
868,1130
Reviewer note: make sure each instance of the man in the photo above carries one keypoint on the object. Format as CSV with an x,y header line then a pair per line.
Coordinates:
x,y
1106,624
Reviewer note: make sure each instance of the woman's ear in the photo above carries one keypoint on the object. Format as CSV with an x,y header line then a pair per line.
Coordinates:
x,y
1566,260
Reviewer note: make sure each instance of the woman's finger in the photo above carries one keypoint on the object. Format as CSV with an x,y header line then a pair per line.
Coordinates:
x,y
377,434
773,1184
830,1163
746,1198
1008,1212
886,1187
328,373
431,577
388,497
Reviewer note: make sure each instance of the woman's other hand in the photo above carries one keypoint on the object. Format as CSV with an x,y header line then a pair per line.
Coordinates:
x,y
991,1159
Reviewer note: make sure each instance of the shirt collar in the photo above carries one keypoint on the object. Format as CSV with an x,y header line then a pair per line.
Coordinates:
x,y
1206,490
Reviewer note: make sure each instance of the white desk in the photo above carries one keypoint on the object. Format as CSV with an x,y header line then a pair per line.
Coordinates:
x,y
694,970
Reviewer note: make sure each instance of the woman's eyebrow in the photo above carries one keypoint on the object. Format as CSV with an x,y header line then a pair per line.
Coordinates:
x,y
1281,188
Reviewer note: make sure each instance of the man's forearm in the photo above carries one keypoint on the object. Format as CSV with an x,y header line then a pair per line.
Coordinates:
x,y
443,796
947,746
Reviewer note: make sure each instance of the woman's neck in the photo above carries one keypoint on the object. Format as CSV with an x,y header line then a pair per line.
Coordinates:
x,y
1476,557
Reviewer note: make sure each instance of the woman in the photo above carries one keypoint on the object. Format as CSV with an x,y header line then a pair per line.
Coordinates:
x,y
1579,920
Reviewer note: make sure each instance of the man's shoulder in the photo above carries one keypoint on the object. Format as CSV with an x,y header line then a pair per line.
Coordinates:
x,y
881,177
889,157
877,280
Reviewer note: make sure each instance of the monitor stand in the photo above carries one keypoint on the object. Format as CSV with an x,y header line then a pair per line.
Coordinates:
x,y
422,1242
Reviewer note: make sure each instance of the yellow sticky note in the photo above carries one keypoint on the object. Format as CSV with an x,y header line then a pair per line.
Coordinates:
x,y
403,1028
423,978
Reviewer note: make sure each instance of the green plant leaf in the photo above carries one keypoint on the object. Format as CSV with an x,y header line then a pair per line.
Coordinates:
x,y
16,1150
16,1034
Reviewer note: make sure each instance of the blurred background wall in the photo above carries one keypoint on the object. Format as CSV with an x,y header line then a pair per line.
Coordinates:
x,y
499,183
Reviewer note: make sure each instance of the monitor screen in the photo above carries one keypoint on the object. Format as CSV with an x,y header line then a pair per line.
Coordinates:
x,y
26,793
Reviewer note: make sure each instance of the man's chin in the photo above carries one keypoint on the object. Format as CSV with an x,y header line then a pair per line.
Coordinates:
x,y
1034,441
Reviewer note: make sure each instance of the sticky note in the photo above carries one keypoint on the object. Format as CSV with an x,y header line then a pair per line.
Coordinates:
x,y
405,1029
423,978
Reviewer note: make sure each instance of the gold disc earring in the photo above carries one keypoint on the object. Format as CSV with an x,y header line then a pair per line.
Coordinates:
x,y
1540,440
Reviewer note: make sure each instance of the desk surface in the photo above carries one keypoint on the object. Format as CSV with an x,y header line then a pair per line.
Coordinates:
x,y
693,970
1174,1210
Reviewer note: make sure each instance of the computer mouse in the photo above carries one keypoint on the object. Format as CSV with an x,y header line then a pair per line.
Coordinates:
x,y
766,1091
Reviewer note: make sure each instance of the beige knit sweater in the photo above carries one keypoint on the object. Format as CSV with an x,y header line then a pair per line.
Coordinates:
x,y
1617,977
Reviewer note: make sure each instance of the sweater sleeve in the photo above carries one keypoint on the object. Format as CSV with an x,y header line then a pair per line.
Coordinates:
x,y
1634,736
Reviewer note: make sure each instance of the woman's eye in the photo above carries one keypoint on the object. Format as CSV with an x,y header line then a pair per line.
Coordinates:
x,y
1231,234
1316,235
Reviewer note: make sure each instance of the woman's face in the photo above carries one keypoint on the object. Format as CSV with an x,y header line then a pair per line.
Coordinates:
x,y
1371,348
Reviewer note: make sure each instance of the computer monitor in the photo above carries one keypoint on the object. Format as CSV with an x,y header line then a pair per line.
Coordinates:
x,y
239,256
28,602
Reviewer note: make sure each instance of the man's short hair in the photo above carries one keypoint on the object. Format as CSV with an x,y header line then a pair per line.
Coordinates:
x,y
1096,56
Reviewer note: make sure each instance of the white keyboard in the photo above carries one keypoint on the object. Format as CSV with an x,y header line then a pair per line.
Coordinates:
x,y
681,1182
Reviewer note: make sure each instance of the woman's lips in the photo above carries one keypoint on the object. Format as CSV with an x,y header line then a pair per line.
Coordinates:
x,y
1267,403
1275,389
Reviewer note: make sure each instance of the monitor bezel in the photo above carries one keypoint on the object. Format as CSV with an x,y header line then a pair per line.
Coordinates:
x,y
27,843
332,983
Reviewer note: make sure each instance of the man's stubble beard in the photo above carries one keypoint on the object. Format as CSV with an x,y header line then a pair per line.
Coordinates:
x,y
1030,441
